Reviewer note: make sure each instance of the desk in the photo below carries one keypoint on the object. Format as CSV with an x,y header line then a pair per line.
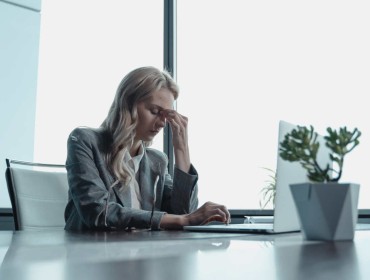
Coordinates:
x,y
177,255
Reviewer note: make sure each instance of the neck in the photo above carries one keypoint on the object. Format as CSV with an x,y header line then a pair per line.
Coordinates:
x,y
135,148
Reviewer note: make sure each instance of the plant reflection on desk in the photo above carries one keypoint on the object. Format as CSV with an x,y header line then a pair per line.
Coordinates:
x,y
318,260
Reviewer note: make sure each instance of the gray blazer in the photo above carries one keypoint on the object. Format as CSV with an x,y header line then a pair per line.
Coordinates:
x,y
94,203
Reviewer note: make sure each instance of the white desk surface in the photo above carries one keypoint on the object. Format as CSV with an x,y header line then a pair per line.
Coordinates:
x,y
179,255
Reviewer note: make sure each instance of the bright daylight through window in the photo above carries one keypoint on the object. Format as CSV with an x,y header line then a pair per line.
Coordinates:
x,y
85,50
244,66
241,68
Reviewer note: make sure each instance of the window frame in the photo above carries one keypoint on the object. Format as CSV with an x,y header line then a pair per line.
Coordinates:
x,y
169,63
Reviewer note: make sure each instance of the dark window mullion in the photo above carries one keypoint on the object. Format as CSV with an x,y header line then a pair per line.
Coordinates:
x,y
169,62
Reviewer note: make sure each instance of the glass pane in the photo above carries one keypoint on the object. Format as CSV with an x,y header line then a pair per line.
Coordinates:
x,y
19,49
86,48
244,66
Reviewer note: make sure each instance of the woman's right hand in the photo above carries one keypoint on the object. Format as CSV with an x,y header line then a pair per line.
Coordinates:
x,y
208,212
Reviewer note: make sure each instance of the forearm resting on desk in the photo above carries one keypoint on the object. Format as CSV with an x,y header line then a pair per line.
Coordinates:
x,y
208,212
170,221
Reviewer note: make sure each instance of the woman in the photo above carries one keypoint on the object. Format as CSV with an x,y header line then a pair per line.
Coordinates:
x,y
117,182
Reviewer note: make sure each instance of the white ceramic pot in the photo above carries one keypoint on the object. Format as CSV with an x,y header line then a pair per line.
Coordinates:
x,y
327,211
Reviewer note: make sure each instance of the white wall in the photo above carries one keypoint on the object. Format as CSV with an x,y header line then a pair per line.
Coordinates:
x,y
19,44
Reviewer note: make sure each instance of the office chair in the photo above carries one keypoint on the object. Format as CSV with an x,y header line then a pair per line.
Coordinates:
x,y
38,193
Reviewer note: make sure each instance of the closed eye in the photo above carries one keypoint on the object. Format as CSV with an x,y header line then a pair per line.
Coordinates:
x,y
154,111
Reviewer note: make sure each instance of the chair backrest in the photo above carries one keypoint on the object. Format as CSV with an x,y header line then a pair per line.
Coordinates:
x,y
38,194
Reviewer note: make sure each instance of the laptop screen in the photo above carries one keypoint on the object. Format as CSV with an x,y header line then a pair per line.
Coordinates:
x,y
285,214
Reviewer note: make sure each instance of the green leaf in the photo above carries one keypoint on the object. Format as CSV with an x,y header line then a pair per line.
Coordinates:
x,y
301,145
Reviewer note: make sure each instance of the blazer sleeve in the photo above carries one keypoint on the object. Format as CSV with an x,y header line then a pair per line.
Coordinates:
x,y
91,196
180,195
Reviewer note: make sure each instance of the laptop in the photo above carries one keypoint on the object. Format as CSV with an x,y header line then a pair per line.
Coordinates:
x,y
285,213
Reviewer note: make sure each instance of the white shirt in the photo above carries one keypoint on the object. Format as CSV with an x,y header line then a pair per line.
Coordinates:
x,y
133,163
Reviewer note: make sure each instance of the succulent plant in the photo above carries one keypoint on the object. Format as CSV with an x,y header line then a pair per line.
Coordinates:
x,y
302,145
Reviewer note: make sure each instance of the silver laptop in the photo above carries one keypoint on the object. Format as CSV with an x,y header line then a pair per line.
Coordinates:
x,y
285,214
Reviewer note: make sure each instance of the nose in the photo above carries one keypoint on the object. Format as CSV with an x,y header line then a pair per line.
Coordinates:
x,y
161,121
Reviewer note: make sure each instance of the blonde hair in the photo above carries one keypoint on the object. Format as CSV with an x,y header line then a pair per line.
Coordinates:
x,y
121,121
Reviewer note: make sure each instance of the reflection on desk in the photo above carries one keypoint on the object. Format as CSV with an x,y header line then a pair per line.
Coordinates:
x,y
180,255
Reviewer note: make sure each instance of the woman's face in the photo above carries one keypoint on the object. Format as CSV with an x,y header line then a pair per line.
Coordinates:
x,y
151,114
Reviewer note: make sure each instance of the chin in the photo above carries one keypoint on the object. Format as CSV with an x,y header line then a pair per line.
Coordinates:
x,y
148,138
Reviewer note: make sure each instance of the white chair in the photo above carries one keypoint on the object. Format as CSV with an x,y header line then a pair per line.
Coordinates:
x,y
38,194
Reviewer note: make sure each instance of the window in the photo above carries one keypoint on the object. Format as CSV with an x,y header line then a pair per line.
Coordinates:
x,y
243,66
86,48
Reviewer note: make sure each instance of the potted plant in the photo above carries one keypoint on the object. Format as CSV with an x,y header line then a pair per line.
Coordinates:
x,y
327,209
269,190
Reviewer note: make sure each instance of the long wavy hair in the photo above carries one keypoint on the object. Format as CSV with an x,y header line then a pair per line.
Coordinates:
x,y
122,119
